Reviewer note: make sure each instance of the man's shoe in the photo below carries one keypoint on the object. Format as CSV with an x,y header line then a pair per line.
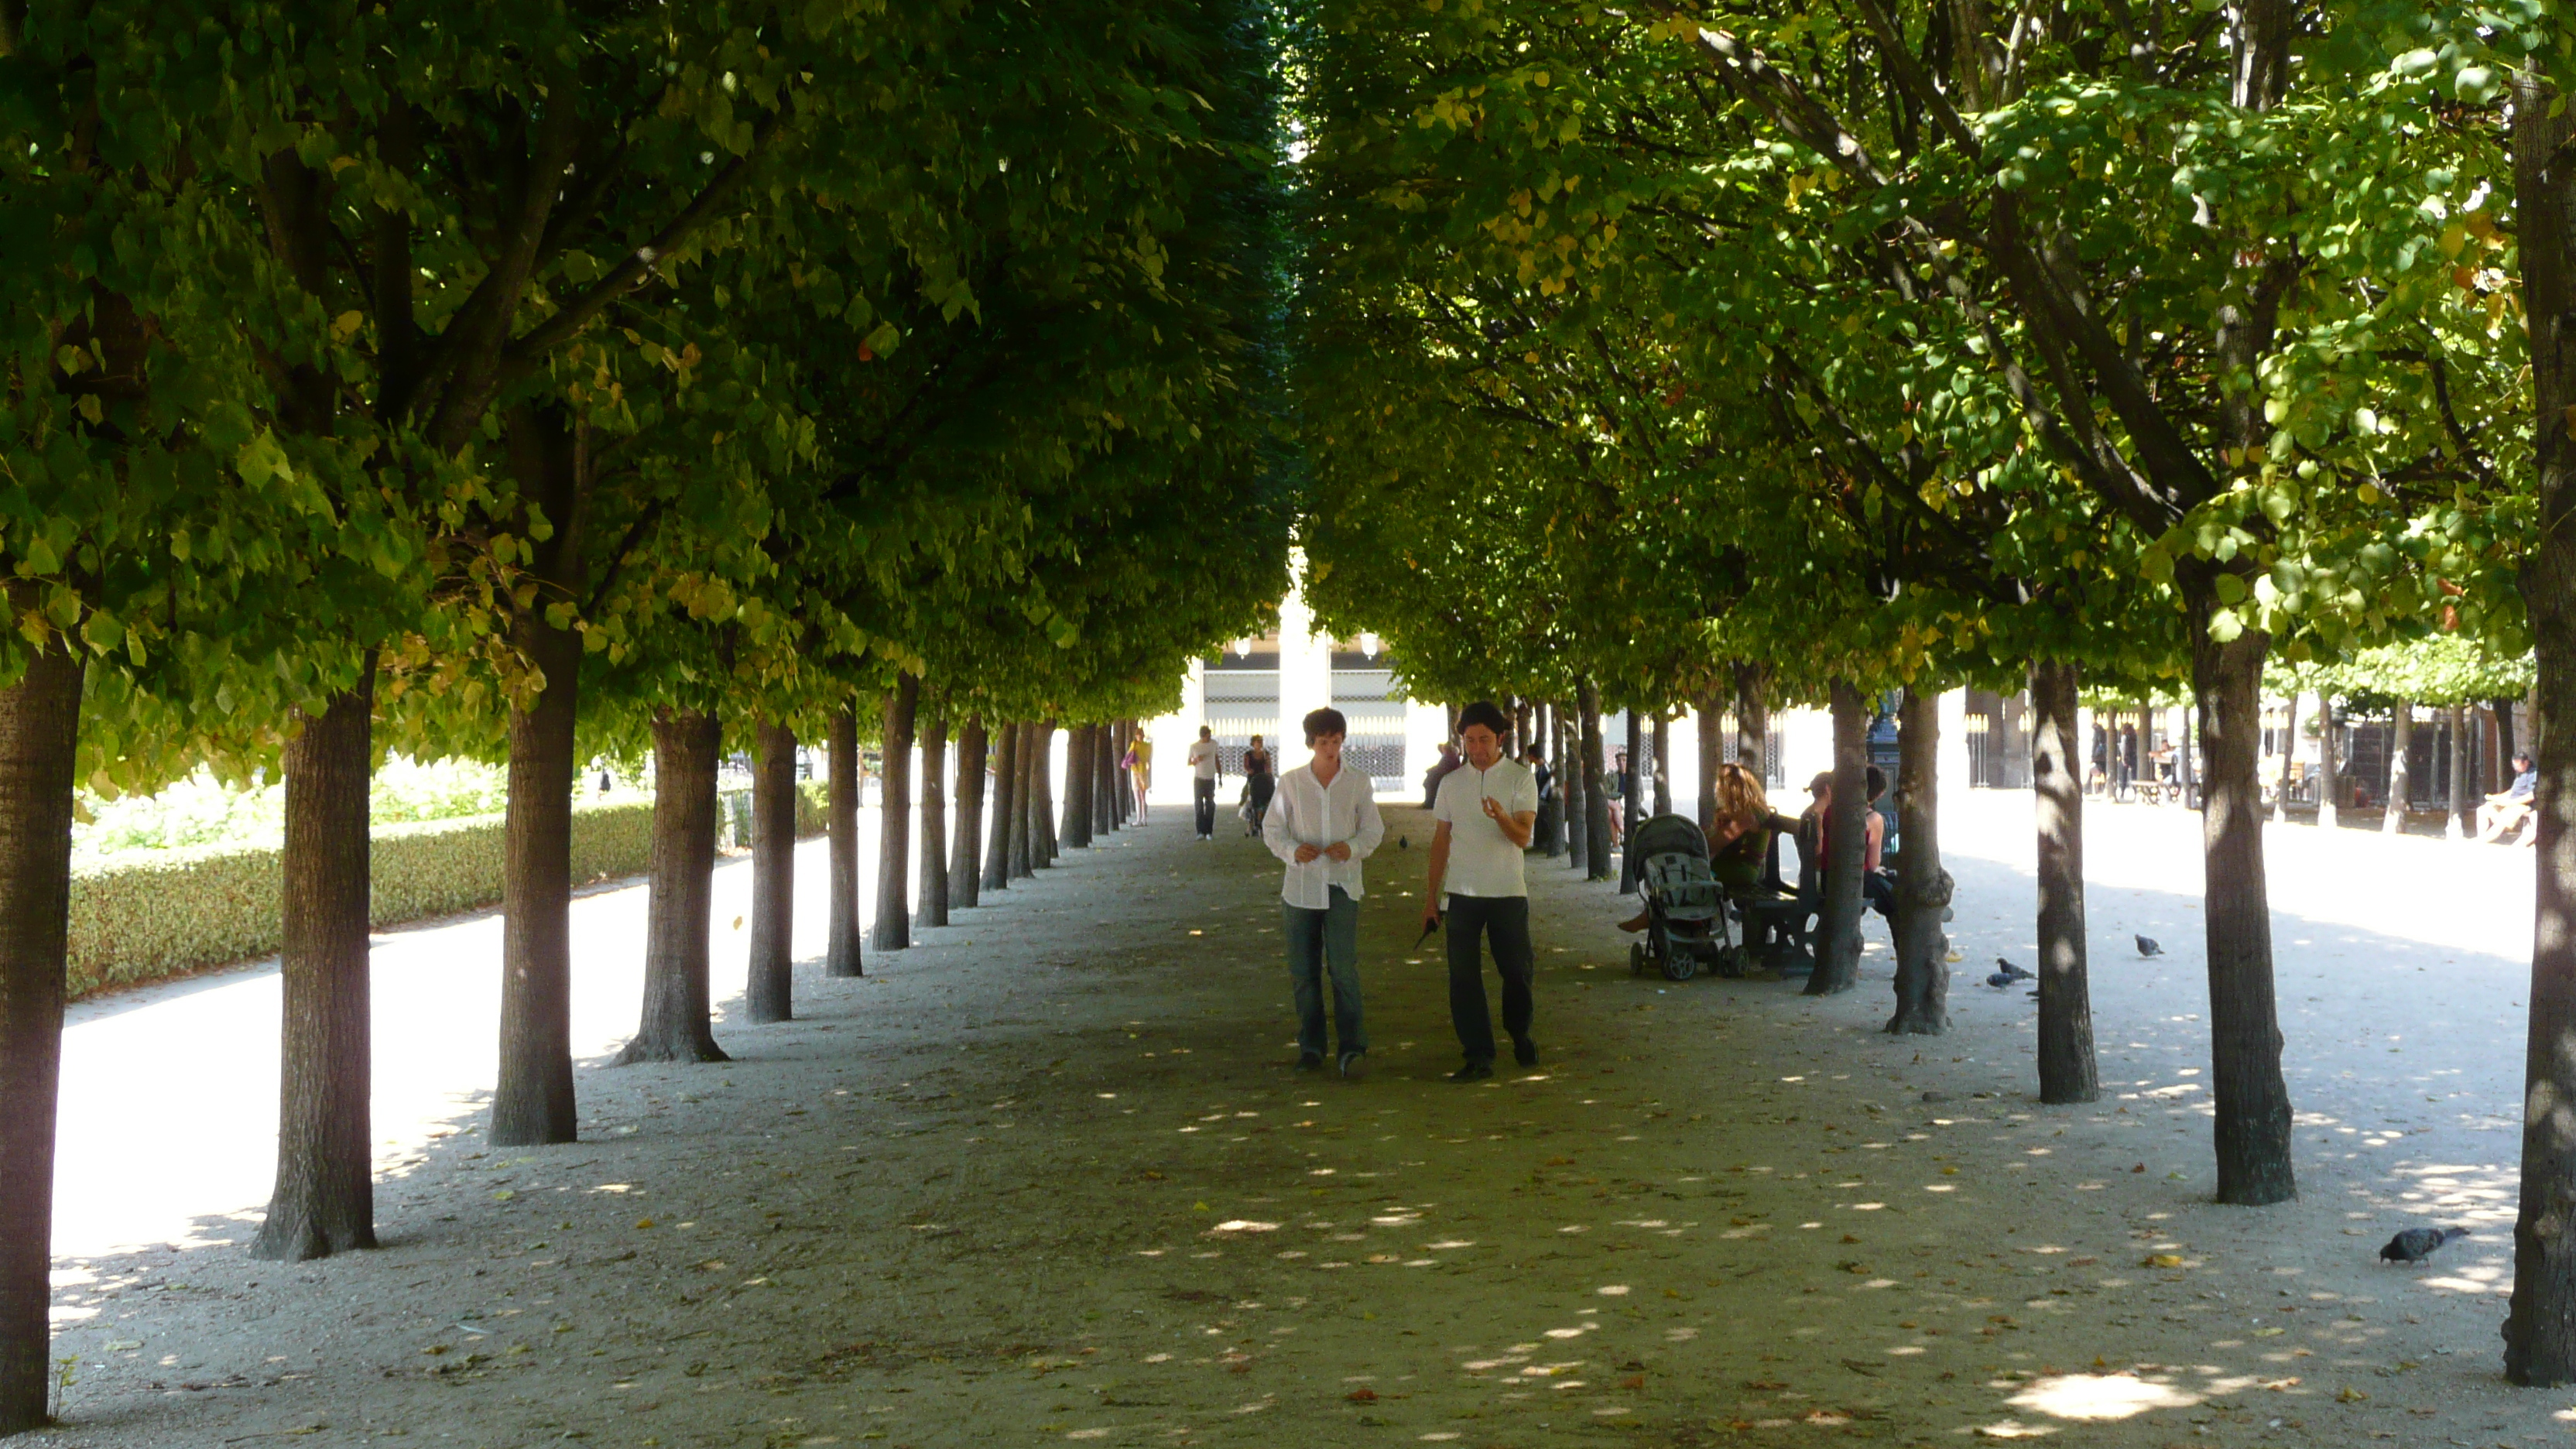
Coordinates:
x,y
1308,1061
1473,1072
1354,1066
1524,1051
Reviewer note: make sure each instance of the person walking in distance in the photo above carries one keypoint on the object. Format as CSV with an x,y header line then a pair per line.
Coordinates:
x,y
1140,770
1323,823
1260,782
1206,768
1486,810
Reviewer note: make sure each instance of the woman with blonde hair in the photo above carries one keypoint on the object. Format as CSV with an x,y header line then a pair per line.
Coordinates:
x,y
1739,835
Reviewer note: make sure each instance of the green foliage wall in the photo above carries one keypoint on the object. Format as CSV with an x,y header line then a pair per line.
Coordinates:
x,y
175,911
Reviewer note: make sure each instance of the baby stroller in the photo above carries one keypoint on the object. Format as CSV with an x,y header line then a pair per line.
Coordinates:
x,y
1686,921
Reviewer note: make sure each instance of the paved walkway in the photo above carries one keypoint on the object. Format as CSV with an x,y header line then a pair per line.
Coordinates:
x,y
1051,1178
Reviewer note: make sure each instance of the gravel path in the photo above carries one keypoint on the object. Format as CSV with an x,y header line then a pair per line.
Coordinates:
x,y
1052,1177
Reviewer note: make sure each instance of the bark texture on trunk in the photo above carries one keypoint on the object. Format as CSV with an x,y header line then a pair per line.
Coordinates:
x,y
532,1102
1838,916
1078,753
1596,798
1922,887
2329,767
1024,750
2252,1128
2067,1068
934,823
1569,775
324,1199
1663,759
2540,1329
1711,708
2459,812
1632,798
1104,780
2289,753
2502,774
965,853
39,740
1042,839
892,929
1753,720
769,990
1002,805
843,956
679,908
2401,738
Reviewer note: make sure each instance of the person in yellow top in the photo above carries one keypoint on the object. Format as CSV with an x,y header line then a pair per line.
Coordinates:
x,y
1140,768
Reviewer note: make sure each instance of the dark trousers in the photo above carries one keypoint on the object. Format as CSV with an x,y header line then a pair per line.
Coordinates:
x,y
1878,893
1505,920
1203,796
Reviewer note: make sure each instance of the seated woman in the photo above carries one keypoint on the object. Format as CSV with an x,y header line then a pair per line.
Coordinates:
x,y
1739,835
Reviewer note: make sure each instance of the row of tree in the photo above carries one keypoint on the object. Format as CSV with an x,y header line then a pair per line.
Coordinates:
x,y
1664,354
538,381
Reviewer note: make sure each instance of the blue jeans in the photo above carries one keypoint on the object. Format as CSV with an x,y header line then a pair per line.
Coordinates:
x,y
1317,939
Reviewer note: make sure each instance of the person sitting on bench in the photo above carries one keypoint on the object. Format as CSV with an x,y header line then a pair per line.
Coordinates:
x,y
2512,805
1739,838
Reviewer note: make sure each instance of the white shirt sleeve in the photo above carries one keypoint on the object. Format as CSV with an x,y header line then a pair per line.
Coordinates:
x,y
1440,810
1524,799
1372,829
1276,832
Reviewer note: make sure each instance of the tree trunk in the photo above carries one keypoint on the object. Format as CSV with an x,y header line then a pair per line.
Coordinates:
x,y
2186,745
1024,748
1838,917
2289,753
2068,1072
679,907
2401,739
1712,751
1104,780
769,991
2504,745
2253,1102
39,741
2329,768
1753,720
1596,798
1003,806
1922,887
892,930
532,1102
2458,818
844,957
1663,754
2540,1330
1078,753
1521,736
1042,837
1569,773
324,1199
1122,809
934,823
1632,798
965,853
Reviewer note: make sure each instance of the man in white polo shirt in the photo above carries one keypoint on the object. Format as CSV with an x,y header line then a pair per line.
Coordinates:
x,y
1486,811
1206,762
1324,822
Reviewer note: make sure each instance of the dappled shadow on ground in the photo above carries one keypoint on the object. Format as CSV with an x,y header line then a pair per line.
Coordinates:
x,y
1054,1176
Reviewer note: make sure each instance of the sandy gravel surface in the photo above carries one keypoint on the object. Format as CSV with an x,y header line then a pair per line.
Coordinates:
x,y
1053,1178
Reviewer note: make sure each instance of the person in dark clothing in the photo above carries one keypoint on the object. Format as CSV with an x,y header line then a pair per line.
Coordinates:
x,y
1547,838
1260,780
1438,772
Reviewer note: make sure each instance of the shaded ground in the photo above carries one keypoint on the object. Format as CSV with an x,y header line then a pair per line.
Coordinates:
x,y
1053,1178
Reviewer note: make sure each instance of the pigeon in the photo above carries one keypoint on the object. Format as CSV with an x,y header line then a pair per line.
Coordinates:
x,y
1401,843
2013,973
2147,946
2414,1245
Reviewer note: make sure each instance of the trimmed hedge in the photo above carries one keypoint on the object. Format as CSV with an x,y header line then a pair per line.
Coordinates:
x,y
172,911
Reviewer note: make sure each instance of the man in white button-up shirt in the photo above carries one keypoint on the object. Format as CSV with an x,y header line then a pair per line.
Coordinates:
x,y
1323,823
